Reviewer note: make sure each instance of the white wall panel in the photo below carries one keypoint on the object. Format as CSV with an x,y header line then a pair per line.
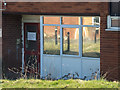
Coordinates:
x,y
89,67
71,65
52,65
59,66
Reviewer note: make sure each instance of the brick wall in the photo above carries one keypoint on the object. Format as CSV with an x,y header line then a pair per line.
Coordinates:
x,y
109,51
11,26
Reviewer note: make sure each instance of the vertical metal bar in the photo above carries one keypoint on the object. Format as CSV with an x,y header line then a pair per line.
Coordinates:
x,y
80,38
61,34
61,43
80,42
22,46
41,46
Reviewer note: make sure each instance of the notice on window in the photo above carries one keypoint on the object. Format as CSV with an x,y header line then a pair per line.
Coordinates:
x,y
31,36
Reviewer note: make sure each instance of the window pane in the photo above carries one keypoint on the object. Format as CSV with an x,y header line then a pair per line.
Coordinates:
x,y
71,20
91,42
51,20
71,41
115,22
31,43
52,40
91,21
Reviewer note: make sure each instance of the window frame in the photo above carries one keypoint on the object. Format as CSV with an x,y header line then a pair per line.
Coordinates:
x,y
61,35
109,23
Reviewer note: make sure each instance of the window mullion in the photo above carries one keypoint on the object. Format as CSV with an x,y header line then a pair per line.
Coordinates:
x,y
80,38
61,42
41,42
60,20
61,36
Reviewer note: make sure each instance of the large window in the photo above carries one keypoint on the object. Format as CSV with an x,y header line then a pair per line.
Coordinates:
x,y
77,36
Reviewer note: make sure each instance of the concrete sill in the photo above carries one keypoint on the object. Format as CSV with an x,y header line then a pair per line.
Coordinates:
x,y
112,29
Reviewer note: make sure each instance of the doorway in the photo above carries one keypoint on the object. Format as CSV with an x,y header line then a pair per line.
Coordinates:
x,y
32,48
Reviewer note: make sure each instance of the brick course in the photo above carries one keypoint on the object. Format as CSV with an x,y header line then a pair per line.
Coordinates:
x,y
53,7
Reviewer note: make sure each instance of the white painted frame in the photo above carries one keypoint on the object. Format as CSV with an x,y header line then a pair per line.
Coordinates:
x,y
26,21
41,45
109,22
22,45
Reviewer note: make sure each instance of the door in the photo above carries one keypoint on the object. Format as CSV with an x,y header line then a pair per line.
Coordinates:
x,y
32,49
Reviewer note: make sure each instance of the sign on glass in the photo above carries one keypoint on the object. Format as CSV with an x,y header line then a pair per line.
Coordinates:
x,y
31,36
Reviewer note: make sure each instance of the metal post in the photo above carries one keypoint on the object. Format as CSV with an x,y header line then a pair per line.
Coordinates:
x,y
68,33
95,36
56,35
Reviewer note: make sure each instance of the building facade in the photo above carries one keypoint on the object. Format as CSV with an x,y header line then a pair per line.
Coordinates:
x,y
61,38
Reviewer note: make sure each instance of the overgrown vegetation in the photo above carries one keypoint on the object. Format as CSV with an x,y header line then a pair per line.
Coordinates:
x,y
36,83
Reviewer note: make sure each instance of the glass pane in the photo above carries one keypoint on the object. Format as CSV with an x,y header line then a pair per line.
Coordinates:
x,y
71,20
115,22
71,41
91,42
52,40
51,20
31,37
91,21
